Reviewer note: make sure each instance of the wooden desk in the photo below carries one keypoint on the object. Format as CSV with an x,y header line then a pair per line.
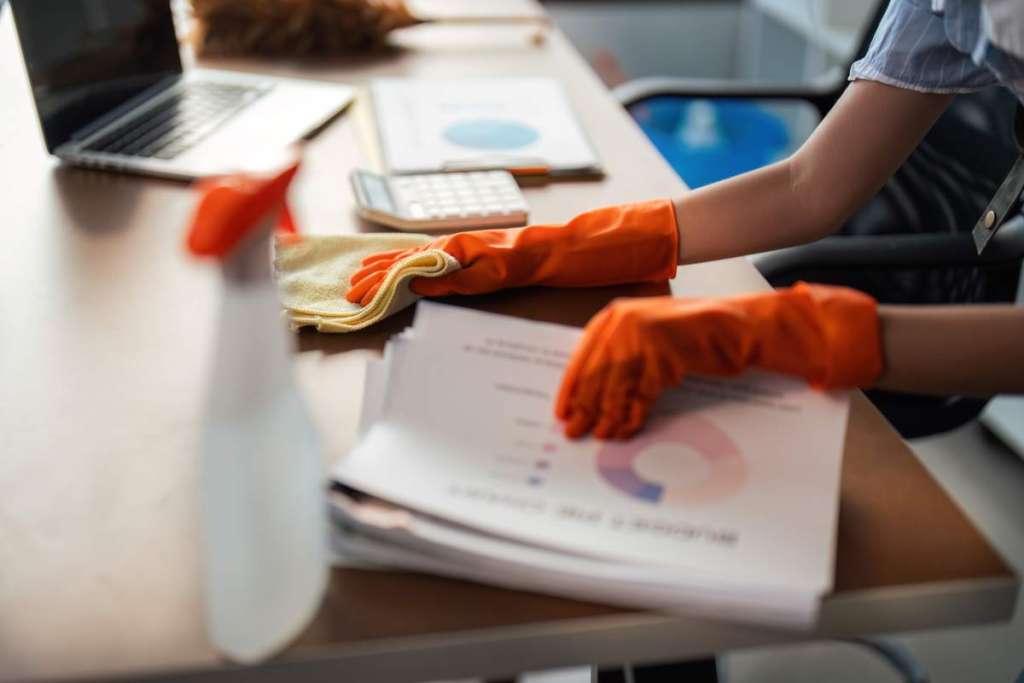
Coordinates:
x,y
105,339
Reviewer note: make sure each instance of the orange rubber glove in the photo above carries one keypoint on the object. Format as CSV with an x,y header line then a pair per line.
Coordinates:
x,y
636,348
231,206
614,245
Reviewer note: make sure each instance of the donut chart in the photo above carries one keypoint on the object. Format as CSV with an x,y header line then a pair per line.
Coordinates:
x,y
629,482
726,471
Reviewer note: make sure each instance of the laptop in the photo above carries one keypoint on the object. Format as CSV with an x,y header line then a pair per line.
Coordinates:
x,y
110,92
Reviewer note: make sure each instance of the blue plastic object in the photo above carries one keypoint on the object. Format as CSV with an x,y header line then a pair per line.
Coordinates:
x,y
708,140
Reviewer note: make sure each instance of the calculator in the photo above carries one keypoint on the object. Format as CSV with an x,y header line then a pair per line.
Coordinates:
x,y
441,201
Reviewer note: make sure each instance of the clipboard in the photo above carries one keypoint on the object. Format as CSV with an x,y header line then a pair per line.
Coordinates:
x,y
522,125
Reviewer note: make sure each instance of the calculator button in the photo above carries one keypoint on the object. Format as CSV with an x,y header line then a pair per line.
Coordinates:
x,y
470,199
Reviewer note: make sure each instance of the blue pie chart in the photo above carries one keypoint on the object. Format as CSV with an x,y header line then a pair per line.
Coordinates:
x,y
490,134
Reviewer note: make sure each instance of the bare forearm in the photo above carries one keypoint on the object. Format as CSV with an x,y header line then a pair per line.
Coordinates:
x,y
863,140
750,213
972,350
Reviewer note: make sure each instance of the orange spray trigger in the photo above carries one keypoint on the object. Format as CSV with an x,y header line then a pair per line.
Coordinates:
x,y
231,206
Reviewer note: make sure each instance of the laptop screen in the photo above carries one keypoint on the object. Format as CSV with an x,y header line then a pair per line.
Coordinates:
x,y
87,57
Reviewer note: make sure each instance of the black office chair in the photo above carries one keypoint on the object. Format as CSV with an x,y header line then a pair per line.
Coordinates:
x,y
910,244
821,92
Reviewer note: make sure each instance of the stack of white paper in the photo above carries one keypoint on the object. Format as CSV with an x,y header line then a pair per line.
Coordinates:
x,y
724,506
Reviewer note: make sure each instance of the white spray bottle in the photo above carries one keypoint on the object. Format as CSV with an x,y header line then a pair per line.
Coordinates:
x,y
264,526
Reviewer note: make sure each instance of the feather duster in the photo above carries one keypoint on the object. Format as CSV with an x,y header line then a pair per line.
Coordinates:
x,y
302,28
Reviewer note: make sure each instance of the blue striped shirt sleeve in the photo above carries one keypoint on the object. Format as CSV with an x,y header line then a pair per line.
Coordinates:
x,y
911,49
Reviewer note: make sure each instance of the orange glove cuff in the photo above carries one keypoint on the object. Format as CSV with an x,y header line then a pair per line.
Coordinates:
x,y
828,335
608,246
616,245
852,336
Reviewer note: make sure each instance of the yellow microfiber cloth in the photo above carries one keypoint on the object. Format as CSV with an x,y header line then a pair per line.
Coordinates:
x,y
312,273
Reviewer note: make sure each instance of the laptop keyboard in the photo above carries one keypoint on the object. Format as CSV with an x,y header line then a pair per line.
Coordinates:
x,y
178,122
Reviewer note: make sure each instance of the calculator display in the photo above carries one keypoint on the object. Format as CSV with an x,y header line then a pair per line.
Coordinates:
x,y
377,194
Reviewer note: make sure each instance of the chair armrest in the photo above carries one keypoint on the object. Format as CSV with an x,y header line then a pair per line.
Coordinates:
x,y
894,251
822,92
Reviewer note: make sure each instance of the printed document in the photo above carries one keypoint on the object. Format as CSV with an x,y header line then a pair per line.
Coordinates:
x,y
732,483
428,125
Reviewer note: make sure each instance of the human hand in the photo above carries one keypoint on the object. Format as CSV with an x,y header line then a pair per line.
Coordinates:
x,y
613,245
634,349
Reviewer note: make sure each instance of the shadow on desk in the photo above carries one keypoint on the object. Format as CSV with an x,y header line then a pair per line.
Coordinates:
x,y
563,306
98,202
